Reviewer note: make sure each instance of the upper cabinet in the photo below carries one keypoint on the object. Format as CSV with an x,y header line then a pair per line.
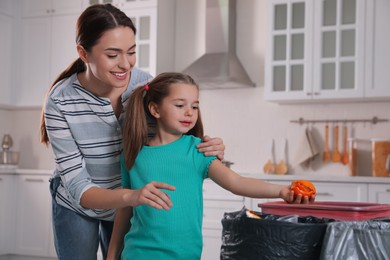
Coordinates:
x,y
47,44
318,50
377,49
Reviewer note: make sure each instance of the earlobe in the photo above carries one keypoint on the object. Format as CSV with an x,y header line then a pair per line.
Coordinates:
x,y
82,53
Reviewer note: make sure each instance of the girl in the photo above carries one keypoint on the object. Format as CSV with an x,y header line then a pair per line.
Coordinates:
x,y
171,100
82,119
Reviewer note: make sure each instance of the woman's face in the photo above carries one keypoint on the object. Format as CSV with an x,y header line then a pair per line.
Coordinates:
x,y
113,57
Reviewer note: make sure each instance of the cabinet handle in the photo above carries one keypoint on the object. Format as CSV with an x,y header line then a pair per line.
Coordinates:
x,y
316,93
308,94
1,179
388,190
34,180
324,194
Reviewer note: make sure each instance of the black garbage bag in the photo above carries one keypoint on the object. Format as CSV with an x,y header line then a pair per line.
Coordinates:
x,y
357,240
271,236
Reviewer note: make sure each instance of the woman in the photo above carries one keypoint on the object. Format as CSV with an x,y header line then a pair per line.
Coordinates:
x,y
82,120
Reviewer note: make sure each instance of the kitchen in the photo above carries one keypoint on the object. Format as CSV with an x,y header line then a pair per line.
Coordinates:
x,y
182,40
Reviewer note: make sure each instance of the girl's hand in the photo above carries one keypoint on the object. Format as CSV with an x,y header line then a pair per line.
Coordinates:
x,y
288,195
212,146
152,195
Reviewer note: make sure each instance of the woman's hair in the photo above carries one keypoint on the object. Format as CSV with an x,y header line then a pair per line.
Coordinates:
x,y
91,25
138,117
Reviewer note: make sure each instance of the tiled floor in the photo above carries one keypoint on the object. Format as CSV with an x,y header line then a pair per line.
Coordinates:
x,y
22,257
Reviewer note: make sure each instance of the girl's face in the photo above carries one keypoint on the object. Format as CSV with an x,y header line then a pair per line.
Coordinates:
x,y
113,57
178,112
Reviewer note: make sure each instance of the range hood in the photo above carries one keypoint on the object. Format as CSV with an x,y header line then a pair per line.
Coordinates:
x,y
219,67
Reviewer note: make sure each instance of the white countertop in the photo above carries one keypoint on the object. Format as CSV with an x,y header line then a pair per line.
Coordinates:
x,y
16,171
268,177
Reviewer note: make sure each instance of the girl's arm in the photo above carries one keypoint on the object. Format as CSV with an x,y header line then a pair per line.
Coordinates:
x,y
251,187
212,147
150,194
121,227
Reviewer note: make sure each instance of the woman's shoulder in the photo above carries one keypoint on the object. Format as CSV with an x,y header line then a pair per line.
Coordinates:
x,y
64,87
139,77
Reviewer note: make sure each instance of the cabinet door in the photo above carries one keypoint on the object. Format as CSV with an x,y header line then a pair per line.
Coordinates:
x,y
33,215
35,62
379,193
339,52
7,224
36,8
289,59
377,49
6,59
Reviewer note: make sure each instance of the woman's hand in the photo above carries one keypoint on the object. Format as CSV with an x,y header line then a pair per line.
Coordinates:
x,y
212,147
288,195
152,195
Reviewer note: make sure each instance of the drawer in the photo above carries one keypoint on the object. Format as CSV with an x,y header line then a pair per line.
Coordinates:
x,y
213,191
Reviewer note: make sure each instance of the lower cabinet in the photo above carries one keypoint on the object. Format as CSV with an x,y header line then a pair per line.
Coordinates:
x,y
33,235
379,193
7,222
216,201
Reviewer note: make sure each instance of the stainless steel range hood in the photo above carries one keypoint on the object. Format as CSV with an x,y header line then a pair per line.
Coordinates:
x,y
219,67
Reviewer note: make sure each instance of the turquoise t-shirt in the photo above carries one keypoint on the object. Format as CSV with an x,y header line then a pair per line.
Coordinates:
x,y
176,233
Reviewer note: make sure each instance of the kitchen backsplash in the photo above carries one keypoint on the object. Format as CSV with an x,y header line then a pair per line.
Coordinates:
x,y
247,124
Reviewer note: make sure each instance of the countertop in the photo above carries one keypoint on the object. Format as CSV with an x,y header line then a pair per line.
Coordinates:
x,y
268,177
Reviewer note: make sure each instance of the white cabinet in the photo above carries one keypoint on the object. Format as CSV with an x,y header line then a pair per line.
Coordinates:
x,y
47,46
377,49
216,201
316,50
7,215
33,216
6,30
379,193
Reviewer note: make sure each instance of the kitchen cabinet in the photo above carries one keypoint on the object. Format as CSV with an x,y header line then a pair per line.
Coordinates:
x,y
216,201
47,46
7,223
33,215
143,13
316,50
6,29
377,49
379,193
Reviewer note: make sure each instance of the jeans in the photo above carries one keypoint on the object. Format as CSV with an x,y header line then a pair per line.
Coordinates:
x,y
77,237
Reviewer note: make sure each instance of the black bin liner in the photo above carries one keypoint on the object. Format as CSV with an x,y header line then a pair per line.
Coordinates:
x,y
271,237
358,240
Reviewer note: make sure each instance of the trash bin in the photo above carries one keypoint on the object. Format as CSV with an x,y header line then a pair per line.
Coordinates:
x,y
358,240
271,236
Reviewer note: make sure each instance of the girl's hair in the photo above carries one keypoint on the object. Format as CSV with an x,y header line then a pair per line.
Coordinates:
x,y
137,117
91,25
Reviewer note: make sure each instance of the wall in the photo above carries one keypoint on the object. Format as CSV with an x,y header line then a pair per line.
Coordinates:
x,y
242,118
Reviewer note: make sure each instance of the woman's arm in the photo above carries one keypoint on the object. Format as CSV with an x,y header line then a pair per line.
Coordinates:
x,y
251,187
212,147
121,227
150,194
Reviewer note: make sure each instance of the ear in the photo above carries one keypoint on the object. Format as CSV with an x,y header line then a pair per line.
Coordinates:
x,y
82,53
153,109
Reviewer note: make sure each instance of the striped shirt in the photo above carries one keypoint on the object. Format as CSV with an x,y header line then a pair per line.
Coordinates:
x,y
86,138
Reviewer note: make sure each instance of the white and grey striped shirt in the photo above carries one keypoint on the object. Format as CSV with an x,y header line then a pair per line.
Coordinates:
x,y
86,138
